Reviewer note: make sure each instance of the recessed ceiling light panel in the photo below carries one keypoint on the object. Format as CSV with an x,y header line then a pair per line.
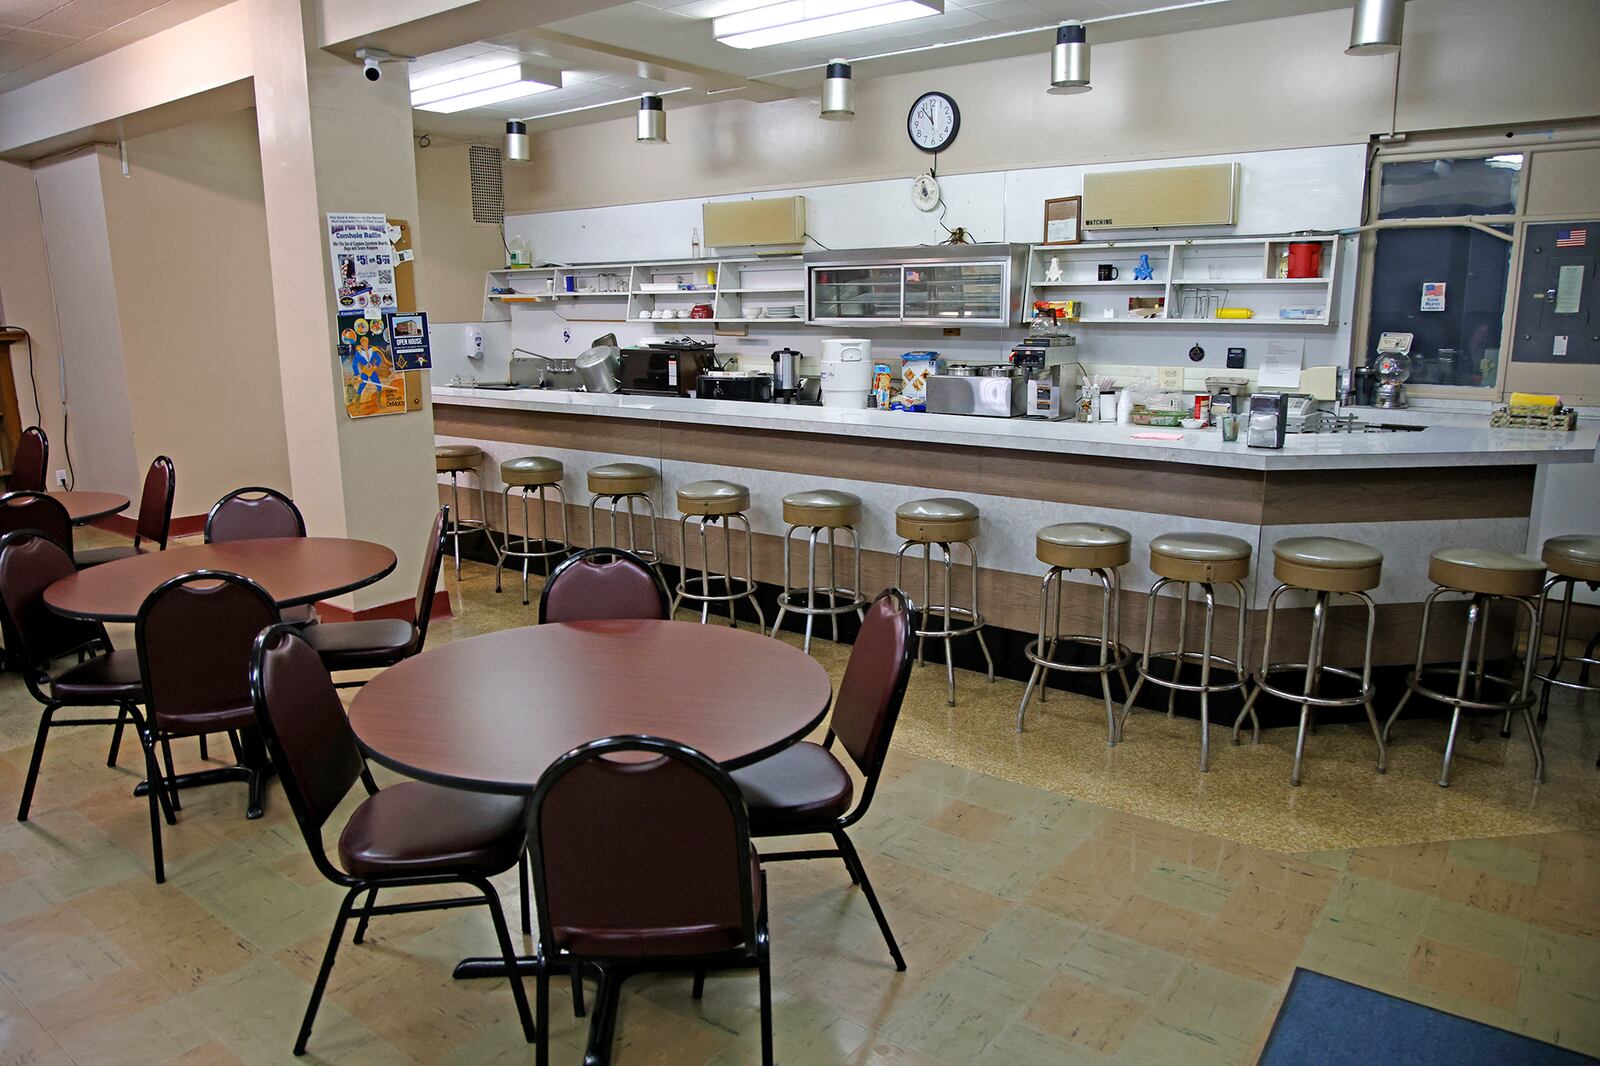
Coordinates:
x,y
800,20
489,87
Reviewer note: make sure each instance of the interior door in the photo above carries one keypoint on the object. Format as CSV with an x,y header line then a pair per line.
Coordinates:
x,y
1556,319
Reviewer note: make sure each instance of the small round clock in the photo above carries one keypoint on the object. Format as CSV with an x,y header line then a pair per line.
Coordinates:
x,y
933,122
925,192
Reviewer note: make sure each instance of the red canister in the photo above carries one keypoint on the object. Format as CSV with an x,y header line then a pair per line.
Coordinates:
x,y
1305,259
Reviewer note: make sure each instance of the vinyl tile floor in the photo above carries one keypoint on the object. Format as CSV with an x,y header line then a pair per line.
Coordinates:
x,y
1057,901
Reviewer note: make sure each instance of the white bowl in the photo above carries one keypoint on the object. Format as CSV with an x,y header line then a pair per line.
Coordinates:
x,y
756,312
1192,423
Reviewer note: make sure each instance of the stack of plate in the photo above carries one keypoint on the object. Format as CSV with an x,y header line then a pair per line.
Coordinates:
x,y
784,311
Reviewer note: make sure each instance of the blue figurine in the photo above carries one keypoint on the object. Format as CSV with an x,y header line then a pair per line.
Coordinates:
x,y
1142,272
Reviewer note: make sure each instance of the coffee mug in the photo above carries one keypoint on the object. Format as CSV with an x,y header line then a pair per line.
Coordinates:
x,y
1107,272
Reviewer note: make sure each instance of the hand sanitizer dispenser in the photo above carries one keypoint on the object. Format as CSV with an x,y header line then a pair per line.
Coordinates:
x,y
474,343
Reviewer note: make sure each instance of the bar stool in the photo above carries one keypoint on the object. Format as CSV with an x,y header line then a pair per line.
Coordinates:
x,y
1328,567
1204,559
1571,559
819,510
624,481
714,502
457,459
944,522
1486,576
532,474
1101,550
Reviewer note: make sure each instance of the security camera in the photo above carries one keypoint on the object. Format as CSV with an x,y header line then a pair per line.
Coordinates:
x,y
371,69
372,60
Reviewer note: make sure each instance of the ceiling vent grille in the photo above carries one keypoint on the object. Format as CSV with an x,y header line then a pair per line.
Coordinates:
x,y
488,183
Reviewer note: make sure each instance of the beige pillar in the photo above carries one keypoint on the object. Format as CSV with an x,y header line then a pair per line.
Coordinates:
x,y
332,141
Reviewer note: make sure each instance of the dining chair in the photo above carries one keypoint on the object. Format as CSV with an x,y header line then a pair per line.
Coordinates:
x,y
256,513
154,522
36,510
604,583
36,637
805,789
30,464
194,635
372,643
406,836
643,866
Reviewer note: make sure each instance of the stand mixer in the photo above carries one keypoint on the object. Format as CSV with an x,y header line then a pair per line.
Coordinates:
x,y
1393,367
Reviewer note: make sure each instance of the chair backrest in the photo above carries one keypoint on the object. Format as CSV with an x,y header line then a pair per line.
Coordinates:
x,y
432,563
623,847
38,511
306,732
874,684
254,513
194,634
604,583
29,465
155,503
31,562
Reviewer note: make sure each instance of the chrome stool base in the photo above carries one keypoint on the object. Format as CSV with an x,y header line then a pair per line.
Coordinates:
x,y
1308,697
1204,658
946,611
1477,673
460,527
692,590
651,555
803,601
1114,655
526,552
1548,668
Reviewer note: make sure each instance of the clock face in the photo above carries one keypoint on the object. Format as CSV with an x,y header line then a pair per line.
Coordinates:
x,y
933,122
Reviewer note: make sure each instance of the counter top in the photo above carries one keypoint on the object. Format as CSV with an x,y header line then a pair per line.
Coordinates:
x,y
1436,446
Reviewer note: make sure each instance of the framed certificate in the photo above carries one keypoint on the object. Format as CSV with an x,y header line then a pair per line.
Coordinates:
x,y
1061,220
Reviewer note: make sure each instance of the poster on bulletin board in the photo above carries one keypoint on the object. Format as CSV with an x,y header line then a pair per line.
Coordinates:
x,y
408,340
372,385
364,261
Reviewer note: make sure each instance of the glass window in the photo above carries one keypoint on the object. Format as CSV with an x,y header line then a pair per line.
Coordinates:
x,y
1441,188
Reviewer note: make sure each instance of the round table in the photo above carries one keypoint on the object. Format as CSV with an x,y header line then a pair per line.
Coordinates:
x,y
492,712
293,570
85,507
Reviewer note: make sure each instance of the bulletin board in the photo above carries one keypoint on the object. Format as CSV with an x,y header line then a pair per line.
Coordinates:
x,y
372,274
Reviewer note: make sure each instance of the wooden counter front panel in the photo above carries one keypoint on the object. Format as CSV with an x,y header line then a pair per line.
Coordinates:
x,y
1431,494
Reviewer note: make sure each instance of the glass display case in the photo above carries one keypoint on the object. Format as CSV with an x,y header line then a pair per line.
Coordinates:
x,y
938,286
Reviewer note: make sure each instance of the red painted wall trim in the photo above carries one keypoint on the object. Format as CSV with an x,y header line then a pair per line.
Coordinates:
x,y
400,609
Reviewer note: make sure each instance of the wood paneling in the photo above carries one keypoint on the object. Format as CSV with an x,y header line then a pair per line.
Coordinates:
x,y
1218,493
623,436
1397,494
948,467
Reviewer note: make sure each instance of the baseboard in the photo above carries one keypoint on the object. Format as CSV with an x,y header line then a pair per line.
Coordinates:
x,y
400,609
188,525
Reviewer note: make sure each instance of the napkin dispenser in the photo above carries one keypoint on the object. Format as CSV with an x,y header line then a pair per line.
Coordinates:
x,y
1267,420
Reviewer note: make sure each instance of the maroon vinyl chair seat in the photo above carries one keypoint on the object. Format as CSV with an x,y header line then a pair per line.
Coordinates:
x,y
154,523
801,785
406,836
30,464
604,584
372,643
36,510
37,638
415,828
806,789
642,861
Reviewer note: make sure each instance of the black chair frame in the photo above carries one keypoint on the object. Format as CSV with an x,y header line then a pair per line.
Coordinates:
x,y
603,552
37,681
756,952
253,490
165,462
844,848
424,616
355,887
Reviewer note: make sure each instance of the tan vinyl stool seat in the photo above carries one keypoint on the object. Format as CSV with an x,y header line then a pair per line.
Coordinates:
x,y
712,498
822,507
1486,571
941,520
1213,557
620,479
1575,556
1327,564
1083,546
531,470
448,457
820,513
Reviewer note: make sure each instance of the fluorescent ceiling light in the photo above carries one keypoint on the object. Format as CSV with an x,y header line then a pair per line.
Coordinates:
x,y
799,20
489,87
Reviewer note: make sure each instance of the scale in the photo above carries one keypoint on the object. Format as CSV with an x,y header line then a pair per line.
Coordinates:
x,y
1393,367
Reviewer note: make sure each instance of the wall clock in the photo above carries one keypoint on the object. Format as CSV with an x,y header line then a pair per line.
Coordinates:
x,y
933,122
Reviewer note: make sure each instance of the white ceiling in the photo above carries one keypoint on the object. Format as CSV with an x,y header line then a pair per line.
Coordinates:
x,y
40,37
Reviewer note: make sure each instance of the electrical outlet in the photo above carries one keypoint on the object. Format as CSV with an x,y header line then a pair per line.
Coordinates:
x,y
1169,377
61,478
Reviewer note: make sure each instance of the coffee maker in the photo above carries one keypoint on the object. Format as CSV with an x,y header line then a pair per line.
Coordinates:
x,y
1050,379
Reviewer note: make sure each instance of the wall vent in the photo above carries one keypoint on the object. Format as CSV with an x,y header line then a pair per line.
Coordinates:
x,y
488,184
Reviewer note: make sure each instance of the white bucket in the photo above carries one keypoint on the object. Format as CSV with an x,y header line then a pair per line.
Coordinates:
x,y
846,372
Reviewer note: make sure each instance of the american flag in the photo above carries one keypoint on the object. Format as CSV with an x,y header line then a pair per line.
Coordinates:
x,y
1572,238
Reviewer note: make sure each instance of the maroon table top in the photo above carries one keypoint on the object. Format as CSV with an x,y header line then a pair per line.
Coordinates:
x,y
87,506
492,712
293,570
